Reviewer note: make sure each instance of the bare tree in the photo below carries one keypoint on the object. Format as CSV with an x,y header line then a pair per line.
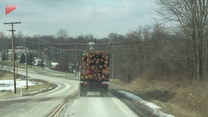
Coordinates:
x,y
192,17
63,62
62,35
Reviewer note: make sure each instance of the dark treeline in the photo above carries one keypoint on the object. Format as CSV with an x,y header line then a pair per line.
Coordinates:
x,y
153,53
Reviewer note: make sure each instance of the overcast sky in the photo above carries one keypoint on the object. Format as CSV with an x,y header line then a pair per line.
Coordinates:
x,y
78,17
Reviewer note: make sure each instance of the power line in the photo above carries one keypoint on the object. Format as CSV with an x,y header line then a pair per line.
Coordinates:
x,y
85,44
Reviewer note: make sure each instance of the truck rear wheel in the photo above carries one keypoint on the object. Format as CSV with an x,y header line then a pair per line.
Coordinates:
x,y
103,93
83,93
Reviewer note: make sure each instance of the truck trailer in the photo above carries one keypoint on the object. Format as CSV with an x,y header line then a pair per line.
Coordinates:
x,y
94,73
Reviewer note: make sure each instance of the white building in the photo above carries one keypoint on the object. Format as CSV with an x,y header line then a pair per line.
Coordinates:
x,y
19,50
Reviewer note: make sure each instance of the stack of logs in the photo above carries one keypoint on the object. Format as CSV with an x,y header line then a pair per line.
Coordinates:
x,y
95,65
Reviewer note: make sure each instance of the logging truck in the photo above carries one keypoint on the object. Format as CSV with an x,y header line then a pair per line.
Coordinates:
x,y
94,73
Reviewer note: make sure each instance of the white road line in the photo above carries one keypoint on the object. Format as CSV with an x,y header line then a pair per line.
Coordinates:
x,y
121,105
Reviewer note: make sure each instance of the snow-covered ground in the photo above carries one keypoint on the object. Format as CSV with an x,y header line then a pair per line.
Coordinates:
x,y
155,108
8,85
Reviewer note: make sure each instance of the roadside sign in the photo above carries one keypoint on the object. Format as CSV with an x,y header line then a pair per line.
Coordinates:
x,y
10,8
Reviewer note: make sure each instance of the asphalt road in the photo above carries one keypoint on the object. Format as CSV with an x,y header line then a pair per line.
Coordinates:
x,y
63,101
95,106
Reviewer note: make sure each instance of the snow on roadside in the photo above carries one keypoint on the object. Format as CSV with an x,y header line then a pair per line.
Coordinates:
x,y
8,85
152,106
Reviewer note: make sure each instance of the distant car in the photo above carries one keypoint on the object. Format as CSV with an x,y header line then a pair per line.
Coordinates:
x,y
37,62
54,64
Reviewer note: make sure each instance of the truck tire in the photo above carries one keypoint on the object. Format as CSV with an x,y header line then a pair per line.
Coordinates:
x,y
103,93
83,93
106,94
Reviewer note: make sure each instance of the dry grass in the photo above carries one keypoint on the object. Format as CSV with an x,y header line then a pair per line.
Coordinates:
x,y
23,91
179,99
7,76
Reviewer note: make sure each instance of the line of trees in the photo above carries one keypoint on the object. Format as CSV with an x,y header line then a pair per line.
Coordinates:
x,y
152,52
29,59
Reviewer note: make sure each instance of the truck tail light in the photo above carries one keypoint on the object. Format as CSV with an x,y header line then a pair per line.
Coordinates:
x,y
85,84
103,85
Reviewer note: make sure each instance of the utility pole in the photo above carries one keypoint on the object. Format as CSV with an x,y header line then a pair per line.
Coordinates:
x,y
17,66
113,61
62,49
76,63
13,50
38,49
112,56
26,64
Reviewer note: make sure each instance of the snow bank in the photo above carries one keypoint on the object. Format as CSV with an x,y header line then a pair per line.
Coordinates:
x,y
8,85
152,106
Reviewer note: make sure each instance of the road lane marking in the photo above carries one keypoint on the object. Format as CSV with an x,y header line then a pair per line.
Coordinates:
x,y
57,110
75,91
120,106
